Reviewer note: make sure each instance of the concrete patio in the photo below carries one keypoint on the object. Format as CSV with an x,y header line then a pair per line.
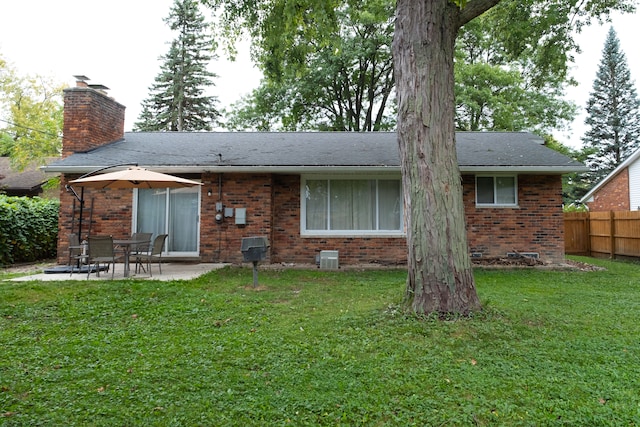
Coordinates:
x,y
170,271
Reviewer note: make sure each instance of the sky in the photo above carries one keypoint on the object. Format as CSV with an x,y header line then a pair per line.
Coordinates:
x,y
119,44
116,43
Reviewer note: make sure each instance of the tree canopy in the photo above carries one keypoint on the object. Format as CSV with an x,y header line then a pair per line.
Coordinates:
x,y
31,113
495,91
346,83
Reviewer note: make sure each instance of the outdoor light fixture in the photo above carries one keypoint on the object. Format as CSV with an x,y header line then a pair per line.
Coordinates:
x,y
210,192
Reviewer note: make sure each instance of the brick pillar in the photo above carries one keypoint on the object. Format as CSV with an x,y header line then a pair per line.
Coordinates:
x,y
91,119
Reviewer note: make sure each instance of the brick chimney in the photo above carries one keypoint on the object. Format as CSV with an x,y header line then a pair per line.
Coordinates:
x,y
91,118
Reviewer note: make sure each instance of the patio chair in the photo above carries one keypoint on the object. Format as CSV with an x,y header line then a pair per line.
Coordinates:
x,y
76,257
145,243
154,254
100,250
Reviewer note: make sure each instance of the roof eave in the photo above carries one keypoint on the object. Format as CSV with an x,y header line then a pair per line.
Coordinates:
x,y
548,170
555,170
236,169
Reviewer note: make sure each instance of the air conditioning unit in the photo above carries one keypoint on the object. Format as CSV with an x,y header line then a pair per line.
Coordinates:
x,y
329,260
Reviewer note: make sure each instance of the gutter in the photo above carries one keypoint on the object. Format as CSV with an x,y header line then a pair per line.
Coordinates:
x,y
176,169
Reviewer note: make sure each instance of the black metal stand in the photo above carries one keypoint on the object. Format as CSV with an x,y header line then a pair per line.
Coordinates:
x,y
255,274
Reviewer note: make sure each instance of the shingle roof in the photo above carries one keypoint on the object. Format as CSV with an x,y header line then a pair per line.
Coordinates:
x,y
14,182
309,151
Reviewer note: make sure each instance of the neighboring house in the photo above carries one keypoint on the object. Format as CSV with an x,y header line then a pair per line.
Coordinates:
x,y
29,182
618,191
306,192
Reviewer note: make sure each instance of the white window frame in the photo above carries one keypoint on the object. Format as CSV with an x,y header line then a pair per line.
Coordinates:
x,y
495,191
349,233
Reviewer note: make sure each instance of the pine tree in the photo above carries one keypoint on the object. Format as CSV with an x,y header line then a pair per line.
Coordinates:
x,y
177,101
613,112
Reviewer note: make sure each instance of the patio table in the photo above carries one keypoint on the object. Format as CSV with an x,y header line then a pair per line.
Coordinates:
x,y
126,245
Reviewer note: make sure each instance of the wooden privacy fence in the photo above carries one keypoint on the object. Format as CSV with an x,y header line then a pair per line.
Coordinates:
x,y
602,234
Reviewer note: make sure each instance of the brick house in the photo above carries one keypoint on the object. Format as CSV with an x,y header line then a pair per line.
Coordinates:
x,y
305,191
618,191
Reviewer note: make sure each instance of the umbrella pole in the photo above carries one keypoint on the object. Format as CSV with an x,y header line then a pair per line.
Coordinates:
x,y
81,213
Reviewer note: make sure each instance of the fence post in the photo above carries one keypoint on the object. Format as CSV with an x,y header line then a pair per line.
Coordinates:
x,y
588,232
612,229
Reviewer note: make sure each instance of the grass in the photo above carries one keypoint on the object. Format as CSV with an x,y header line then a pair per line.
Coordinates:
x,y
321,348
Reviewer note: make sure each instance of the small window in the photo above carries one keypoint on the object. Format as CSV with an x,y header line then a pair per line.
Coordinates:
x,y
496,190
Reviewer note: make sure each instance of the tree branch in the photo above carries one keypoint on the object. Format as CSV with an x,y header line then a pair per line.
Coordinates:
x,y
475,8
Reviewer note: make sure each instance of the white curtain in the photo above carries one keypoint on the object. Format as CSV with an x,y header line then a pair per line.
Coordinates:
x,y
389,204
505,190
352,204
316,195
172,211
152,211
183,214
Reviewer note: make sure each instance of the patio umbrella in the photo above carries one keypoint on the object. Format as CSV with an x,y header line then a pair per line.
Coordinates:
x,y
134,178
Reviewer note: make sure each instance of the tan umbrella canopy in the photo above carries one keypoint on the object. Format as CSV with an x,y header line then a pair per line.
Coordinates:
x,y
134,177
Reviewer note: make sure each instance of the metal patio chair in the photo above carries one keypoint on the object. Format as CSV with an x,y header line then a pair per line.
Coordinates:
x,y
155,253
100,250
76,255
144,246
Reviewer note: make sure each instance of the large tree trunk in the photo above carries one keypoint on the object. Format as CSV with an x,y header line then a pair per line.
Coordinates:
x,y
440,275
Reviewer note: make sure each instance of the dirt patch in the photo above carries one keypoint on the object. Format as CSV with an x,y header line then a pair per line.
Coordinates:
x,y
522,261
519,261
258,288
583,266
31,267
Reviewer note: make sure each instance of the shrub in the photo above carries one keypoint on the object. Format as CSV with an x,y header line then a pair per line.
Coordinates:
x,y
28,229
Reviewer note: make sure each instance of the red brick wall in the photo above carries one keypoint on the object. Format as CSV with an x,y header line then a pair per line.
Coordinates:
x,y
111,214
221,242
535,225
614,195
91,119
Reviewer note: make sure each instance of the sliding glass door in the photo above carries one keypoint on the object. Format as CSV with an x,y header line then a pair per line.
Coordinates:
x,y
172,211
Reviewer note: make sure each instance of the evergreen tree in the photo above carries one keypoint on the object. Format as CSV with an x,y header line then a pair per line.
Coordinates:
x,y
613,112
177,101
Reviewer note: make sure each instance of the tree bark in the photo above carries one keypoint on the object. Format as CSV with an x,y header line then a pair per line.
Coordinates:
x,y
440,277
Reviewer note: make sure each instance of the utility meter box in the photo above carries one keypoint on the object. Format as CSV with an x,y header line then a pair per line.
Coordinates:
x,y
241,216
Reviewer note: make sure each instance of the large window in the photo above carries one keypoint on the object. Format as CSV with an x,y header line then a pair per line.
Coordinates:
x,y
351,206
496,191
172,211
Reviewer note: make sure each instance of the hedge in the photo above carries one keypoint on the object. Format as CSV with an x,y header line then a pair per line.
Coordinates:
x,y
28,229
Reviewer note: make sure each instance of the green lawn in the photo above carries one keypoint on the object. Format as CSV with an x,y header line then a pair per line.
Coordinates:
x,y
321,348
